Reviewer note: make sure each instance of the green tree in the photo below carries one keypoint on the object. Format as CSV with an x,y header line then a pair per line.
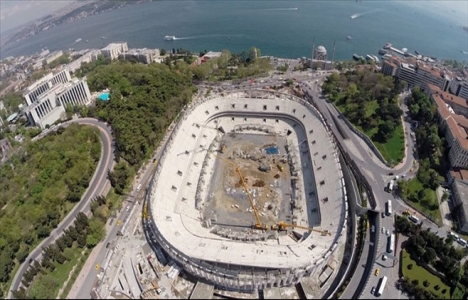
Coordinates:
x,y
96,232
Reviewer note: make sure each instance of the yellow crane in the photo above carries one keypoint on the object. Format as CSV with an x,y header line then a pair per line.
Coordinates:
x,y
258,225
282,226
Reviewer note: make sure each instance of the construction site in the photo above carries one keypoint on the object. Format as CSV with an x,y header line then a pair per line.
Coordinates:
x,y
262,161
252,196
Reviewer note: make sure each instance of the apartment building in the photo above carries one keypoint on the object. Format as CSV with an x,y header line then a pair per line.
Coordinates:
x,y
145,56
44,84
415,73
453,117
85,58
51,105
459,87
458,180
113,50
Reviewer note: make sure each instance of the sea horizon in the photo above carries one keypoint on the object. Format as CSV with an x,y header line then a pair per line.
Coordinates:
x,y
279,28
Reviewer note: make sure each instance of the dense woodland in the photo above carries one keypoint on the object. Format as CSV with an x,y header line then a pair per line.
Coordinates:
x,y
40,184
143,102
369,100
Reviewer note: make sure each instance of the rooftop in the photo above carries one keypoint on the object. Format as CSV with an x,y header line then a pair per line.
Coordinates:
x,y
459,174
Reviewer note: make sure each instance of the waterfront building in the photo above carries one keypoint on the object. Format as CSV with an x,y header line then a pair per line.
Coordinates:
x,y
113,50
415,73
144,55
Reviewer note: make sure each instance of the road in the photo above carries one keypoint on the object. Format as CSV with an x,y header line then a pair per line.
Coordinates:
x,y
82,288
97,186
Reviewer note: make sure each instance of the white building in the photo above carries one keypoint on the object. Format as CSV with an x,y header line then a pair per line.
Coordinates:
x,y
52,57
114,49
50,106
85,58
144,55
44,84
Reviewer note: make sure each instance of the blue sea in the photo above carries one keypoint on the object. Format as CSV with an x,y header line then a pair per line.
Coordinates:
x,y
280,28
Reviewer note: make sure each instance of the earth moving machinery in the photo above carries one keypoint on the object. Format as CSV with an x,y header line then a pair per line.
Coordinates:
x,y
258,224
282,226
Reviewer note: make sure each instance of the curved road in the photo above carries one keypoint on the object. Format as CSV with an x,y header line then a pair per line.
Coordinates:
x,y
97,186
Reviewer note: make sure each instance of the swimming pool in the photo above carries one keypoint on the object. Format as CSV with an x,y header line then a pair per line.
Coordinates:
x,y
104,96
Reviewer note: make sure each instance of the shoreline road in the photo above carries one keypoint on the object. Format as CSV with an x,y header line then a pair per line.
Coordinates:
x,y
97,185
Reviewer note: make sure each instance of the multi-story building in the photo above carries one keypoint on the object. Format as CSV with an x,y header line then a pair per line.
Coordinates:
x,y
453,113
458,180
85,58
415,73
145,56
44,84
50,106
459,87
52,57
389,68
113,50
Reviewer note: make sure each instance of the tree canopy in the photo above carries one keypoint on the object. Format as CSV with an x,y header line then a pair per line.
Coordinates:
x,y
143,102
40,184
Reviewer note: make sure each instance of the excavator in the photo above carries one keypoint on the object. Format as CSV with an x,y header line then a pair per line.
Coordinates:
x,y
258,225
282,226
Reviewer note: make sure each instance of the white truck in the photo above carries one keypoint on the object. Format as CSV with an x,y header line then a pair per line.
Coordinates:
x,y
390,186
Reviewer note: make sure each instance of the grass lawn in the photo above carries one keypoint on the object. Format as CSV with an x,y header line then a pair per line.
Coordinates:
x,y
421,275
394,149
75,274
415,186
47,286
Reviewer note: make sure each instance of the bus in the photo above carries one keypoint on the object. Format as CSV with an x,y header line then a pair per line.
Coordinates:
x,y
381,286
390,243
388,208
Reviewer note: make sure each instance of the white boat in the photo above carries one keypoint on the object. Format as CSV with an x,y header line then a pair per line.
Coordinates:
x,y
78,40
349,37
169,38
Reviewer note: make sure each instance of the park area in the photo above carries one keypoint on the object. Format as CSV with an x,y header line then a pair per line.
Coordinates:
x,y
393,149
422,198
423,278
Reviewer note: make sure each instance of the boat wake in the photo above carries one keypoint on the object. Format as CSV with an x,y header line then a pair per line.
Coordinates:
x,y
207,36
279,9
358,15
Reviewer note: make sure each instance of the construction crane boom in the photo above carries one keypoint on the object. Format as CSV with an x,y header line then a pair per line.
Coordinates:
x,y
282,226
258,225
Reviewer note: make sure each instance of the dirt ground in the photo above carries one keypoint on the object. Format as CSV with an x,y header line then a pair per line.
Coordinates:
x,y
269,189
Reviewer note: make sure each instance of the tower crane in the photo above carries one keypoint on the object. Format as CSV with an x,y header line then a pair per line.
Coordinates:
x,y
281,226
259,224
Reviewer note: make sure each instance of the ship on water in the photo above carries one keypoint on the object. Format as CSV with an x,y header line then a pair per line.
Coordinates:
x,y
169,38
349,37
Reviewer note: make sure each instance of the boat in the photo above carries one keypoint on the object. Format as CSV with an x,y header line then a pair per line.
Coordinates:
x,y
417,53
87,41
349,37
387,46
169,38
383,52
103,37
354,16
78,40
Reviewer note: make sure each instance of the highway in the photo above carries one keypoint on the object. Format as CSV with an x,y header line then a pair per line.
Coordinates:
x,y
83,289
97,186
